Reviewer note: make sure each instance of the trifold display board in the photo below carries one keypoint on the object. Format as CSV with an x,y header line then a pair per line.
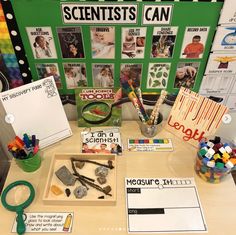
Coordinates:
x,y
158,44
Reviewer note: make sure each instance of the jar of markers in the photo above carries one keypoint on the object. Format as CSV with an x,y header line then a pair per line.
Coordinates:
x,y
216,158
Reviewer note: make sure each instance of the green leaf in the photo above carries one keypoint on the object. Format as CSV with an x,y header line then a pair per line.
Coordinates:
x,y
159,74
155,85
160,69
152,74
150,82
167,67
157,82
165,74
155,69
163,82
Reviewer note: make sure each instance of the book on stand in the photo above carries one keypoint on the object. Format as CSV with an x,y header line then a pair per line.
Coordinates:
x,y
97,107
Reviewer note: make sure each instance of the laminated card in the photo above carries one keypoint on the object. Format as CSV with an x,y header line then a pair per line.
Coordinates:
x,y
163,205
35,109
194,116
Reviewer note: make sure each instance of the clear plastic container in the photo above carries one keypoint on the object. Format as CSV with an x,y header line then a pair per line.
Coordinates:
x,y
214,170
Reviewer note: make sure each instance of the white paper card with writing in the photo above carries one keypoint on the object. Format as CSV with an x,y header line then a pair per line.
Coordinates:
x,y
231,103
228,13
163,205
194,42
216,84
193,116
58,222
225,39
36,109
221,64
133,42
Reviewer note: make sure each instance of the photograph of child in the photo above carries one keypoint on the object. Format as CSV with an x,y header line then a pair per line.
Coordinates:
x,y
186,74
103,42
71,42
42,43
133,42
51,69
163,41
130,74
86,149
75,75
195,48
103,75
116,148
194,42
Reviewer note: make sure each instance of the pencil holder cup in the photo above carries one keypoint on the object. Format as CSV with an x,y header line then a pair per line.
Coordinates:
x,y
30,164
215,161
150,131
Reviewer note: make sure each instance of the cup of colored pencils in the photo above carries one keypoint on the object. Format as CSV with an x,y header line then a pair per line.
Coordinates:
x,y
150,128
25,151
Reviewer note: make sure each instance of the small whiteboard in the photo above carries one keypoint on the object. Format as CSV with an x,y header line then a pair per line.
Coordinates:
x,y
35,109
163,205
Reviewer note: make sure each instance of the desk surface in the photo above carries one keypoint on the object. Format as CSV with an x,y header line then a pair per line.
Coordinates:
x,y
218,200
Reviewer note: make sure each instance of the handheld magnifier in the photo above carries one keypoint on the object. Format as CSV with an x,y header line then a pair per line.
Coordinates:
x,y
98,112
17,203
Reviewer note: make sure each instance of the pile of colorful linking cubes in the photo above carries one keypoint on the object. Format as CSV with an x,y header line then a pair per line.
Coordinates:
x,y
215,160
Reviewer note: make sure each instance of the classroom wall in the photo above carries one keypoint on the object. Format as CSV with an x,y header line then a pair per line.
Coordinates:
x,y
155,71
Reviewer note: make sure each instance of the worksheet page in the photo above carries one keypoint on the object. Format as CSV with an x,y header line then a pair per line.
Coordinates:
x,y
163,205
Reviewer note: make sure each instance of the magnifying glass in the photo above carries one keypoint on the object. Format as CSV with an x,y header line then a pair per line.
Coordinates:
x,y
98,112
16,197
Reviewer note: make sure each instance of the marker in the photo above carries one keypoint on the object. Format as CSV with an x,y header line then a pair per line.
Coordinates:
x,y
36,149
26,141
19,142
33,139
37,142
22,153
11,145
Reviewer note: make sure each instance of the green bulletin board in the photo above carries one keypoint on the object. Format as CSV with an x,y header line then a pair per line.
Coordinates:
x,y
151,39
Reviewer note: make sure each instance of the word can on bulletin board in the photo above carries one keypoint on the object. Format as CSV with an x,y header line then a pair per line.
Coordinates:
x,y
167,41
